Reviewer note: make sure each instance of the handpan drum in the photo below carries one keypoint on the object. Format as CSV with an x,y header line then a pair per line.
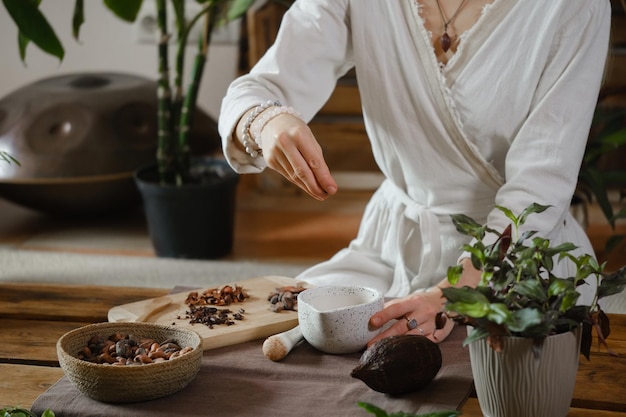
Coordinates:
x,y
78,139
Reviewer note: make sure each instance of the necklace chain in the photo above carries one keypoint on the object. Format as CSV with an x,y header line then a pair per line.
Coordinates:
x,y
445,41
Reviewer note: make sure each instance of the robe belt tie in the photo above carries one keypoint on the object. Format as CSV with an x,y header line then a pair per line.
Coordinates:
x,y
430,237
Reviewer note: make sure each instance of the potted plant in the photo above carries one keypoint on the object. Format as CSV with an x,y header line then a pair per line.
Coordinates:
x,y
176,181
526,328
602,167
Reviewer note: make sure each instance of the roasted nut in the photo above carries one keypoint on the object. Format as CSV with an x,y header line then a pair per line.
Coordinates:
x,y
120,349
285,298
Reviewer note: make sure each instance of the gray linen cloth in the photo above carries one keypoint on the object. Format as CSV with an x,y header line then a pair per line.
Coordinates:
x,y
240,381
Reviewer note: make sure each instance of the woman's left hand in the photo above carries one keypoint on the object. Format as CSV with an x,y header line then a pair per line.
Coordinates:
x,y
414,314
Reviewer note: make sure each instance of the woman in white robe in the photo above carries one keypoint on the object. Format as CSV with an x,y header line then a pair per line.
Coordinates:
x,y
503,121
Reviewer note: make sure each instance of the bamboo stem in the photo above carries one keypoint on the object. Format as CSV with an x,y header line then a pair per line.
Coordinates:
x,y
164,97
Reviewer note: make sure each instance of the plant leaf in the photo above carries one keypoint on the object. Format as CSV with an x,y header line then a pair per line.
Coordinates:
x,y
8,158
533,208
586,340
526,235
454,274
504,242
78,18
614,241
612,283
477,333
615,139
34,26
237,9
468,226
499,313
569,300
379,412
531,289
564,247
603,323
124,9
578,313
594,181
371,408
476,309
508,213
620,214
559,286
22,42
464,294
525,318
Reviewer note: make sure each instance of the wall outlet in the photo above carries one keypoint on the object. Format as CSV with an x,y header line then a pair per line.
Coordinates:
x,y
145,28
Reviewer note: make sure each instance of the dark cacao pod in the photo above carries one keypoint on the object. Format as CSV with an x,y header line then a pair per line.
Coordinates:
x,y
399,364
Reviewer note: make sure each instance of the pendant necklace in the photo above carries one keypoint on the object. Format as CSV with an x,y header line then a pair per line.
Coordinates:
x,y
445,41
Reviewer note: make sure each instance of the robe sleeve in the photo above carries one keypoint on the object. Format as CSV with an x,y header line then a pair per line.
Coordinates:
x,y
312,50
544,158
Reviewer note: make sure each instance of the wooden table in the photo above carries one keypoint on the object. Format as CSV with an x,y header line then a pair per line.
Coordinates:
x,y
34,316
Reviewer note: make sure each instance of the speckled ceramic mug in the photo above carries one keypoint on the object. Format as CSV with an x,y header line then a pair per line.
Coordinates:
x,y
334,319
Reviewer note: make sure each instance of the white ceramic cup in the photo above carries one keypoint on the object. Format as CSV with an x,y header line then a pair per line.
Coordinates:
x,y
335,319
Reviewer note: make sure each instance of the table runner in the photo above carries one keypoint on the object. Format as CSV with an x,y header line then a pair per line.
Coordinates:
x,y
240,381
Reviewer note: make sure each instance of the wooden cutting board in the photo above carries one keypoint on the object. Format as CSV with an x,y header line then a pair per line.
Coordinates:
x,y
258,322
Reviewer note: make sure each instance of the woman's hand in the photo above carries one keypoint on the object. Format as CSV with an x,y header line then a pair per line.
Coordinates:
x,y
290,148
414,314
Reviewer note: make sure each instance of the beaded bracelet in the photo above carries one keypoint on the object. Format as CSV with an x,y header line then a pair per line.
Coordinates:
x,y
249,144
266,116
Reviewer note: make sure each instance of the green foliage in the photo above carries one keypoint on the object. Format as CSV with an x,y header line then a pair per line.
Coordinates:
x,y
33,26
518,294
608,135
378,412
22,412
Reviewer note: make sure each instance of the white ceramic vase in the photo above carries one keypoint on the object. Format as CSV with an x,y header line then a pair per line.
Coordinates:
x,y
514,383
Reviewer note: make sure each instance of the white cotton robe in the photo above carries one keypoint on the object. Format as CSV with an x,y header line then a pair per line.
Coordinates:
x,y
504,122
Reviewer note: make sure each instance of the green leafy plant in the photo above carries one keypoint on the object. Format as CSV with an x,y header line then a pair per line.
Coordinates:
x,y
379,412
22,412
518,294
596,177
176,101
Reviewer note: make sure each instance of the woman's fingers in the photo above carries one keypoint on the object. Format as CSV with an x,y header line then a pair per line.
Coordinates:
x,y
414,314
285,167
290,148
426,328
305,162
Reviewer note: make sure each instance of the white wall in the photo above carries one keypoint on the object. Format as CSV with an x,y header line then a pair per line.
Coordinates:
x,y
106,44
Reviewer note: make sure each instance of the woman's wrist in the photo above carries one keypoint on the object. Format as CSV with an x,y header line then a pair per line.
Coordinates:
x,y
256,128
250,127
249,143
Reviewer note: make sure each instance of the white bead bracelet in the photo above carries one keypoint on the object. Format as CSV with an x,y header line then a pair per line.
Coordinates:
x,y
266,116
248,142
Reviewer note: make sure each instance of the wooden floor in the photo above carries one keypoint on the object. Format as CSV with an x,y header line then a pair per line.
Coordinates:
x,y
287,227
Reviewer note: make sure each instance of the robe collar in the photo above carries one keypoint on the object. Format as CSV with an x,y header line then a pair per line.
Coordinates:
x,y
472,39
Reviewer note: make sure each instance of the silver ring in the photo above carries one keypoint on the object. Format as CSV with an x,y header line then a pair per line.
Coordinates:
x,y
411,324
421,331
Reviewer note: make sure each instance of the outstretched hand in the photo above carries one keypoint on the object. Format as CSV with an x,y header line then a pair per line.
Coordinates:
x,y
290,148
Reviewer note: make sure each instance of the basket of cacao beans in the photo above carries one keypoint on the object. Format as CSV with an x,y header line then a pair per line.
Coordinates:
x,y
129,362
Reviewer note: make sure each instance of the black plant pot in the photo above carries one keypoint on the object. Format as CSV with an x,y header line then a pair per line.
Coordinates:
x,y
193,221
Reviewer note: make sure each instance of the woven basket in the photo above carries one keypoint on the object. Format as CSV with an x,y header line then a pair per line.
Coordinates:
x,y
130,383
